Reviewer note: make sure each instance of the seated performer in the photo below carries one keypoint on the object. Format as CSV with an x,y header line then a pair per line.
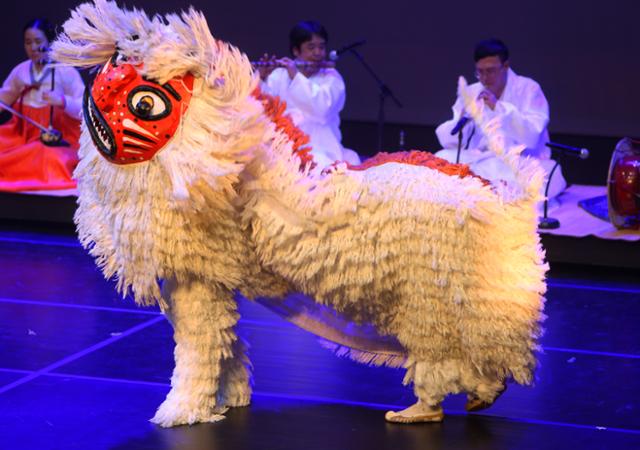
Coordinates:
x,y
50,96
314,92
520,106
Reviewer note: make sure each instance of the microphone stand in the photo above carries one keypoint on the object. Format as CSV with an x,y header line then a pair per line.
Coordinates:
x,y
459,145
457,129
548,223
384,93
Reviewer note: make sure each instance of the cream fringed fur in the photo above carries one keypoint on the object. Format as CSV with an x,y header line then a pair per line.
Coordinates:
x,y
449,268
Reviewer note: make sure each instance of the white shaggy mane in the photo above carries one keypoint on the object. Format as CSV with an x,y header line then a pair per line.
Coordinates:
x,y
120,207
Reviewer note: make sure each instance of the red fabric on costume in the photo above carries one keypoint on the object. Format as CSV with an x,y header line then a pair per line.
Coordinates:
x,y
274,108
26,164
419,158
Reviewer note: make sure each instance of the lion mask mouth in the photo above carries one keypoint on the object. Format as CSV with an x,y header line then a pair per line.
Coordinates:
x,y
101,134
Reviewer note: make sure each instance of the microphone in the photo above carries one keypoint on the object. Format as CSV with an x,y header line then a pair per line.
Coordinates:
x,y
335,54
460,125
581,153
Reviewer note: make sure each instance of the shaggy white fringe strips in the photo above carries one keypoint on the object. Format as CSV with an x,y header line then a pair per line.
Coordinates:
x,y
451,269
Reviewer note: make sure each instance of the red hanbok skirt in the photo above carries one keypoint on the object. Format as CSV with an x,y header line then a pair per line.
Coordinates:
x,y
26,164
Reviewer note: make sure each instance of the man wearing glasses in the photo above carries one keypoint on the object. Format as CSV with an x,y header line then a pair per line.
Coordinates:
x,y
520,106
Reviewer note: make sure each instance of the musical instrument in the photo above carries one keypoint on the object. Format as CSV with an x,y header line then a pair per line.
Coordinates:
x,y
623,185
299,64
48,136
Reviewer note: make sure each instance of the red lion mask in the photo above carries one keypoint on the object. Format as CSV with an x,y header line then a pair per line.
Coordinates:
x,y
130,117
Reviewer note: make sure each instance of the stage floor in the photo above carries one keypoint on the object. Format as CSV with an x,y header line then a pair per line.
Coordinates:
x,y
81,368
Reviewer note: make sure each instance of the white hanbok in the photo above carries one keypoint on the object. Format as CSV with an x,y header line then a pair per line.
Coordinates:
x,y
314,105
27,163
67,82
523,112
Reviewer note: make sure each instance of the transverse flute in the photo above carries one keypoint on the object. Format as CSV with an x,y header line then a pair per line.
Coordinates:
x,y
300,64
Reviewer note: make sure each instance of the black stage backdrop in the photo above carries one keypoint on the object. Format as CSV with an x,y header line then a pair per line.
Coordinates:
x,y
585,55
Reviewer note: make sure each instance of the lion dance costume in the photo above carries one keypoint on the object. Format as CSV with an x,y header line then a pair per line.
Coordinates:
x,y
190,175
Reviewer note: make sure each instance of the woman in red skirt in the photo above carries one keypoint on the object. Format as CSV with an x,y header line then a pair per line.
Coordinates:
x,y
34,88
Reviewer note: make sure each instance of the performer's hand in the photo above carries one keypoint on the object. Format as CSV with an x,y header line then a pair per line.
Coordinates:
x,y
290,65
54,98
270,64
488,98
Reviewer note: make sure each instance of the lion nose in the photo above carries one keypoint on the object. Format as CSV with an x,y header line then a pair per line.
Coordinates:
x,y
113,84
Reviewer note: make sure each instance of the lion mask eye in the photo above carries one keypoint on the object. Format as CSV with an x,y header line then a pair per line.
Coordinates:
x,y
144,107
149,103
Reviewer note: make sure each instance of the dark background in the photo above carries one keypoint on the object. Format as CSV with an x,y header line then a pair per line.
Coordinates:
x,y
585,55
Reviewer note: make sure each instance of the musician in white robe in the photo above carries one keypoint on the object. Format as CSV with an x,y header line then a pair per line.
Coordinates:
x,y
517,102
314,92
50,96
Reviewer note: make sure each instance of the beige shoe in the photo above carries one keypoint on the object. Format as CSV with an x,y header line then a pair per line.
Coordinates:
x,y
415,415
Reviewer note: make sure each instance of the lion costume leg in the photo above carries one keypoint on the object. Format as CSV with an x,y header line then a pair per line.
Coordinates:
x,y
430,383
450,350
203,317
426,324
235,381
